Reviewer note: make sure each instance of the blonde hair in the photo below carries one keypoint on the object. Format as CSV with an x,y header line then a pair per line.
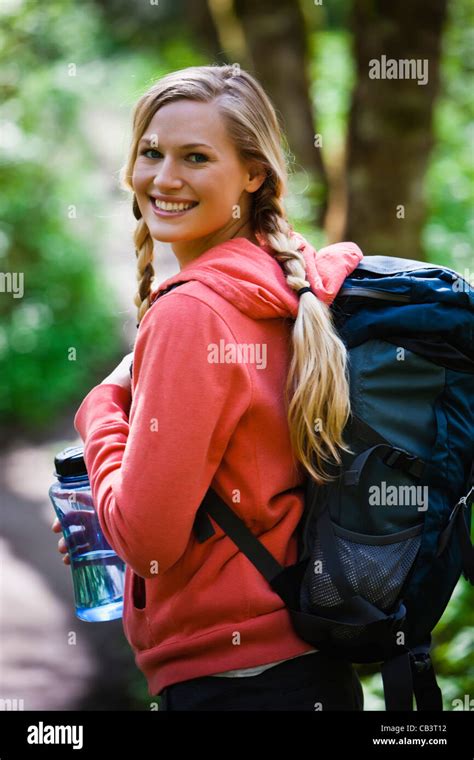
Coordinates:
x,y
317,390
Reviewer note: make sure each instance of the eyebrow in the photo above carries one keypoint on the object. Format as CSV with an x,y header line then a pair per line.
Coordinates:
x,y
181,147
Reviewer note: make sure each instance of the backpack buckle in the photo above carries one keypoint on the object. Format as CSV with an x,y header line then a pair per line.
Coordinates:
x,y
405,461
421,662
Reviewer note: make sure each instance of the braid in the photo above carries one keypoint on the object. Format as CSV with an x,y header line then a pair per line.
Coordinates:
x,y
317,389
145,272
270,219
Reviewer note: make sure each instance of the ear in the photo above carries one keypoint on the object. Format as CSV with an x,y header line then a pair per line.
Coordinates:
x,y
256,178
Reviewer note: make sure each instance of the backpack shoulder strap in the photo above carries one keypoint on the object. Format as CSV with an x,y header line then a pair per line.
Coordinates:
x,y
285,581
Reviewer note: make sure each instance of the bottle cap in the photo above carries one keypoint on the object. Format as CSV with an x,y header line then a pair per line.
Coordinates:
x,y
70,463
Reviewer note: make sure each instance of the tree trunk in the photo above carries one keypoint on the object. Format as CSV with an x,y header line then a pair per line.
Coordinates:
x,y
390,124
276,38
200,21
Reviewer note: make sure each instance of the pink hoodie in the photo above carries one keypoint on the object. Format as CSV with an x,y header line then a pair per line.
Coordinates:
x,y
210,364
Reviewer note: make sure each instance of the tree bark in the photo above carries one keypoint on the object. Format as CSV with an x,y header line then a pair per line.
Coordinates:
x,y
276,37
201,21
390,124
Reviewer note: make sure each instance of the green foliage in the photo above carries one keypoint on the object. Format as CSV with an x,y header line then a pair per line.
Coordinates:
x,y
332,81
61,329
321,14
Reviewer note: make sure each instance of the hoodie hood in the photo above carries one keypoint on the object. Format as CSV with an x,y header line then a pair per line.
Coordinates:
x,y
249,276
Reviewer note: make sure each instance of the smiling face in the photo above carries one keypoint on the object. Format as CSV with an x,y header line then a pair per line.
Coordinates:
x,y
185,156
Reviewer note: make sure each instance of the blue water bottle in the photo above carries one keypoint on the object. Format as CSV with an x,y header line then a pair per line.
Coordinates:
x,y
97,571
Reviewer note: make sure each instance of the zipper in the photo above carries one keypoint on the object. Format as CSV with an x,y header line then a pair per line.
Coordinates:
x,y
369,293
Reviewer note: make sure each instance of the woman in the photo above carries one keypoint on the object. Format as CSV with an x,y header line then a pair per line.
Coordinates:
x,y
239,383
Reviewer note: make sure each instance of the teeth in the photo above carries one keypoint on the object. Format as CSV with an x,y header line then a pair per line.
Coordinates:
x,y
164,206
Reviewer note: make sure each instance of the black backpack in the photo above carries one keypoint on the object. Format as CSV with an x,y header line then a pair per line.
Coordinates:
x,y
382,547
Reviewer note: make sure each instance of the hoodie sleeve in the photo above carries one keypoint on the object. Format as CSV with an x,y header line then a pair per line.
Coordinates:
x,y
150,472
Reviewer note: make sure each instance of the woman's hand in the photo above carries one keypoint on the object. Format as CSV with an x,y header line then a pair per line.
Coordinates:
x,y
121,374
84,536
62,548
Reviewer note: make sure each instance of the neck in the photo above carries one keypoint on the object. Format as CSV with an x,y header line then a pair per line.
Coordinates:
x,y
187,251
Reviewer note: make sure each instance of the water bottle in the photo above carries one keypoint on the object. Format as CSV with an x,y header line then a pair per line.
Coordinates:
x,y
97,571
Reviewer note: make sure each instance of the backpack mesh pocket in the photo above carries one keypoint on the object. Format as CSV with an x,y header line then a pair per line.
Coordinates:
x,y
375,570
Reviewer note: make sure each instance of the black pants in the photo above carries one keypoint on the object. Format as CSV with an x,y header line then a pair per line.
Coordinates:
x,y
312,682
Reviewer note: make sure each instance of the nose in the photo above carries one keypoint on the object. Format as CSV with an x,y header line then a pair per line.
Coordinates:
x,y
166,175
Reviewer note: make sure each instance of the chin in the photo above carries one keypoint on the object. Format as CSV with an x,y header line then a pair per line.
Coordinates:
x,y
175,238
165,238
166,234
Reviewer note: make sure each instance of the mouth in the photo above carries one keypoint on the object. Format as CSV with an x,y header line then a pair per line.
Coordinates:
x,y
162,208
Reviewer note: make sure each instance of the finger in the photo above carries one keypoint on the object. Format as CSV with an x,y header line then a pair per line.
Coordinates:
x,y
67,559
62,546
56,526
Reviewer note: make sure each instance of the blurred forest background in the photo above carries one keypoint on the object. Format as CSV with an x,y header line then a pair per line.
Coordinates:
x,y
359,149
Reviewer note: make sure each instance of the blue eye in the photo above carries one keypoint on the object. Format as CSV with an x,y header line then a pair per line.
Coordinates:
x,y
153,150
199,154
